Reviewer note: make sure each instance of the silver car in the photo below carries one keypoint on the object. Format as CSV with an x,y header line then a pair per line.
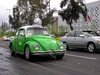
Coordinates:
x,y
89,40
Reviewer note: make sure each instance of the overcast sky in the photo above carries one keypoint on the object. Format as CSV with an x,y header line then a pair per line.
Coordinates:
x,y
8,4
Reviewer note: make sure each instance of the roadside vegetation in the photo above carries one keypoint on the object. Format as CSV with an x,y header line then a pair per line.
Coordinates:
x,y
30,12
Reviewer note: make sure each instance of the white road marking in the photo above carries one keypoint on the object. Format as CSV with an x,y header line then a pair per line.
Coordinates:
x,y
82,56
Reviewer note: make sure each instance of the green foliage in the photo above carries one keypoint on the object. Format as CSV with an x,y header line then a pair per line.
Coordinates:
x,y
59,34
47,18
94,25
7,34
4,27
73,11
27,11
61,28
15,19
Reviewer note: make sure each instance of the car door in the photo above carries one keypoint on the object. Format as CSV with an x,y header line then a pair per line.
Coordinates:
x,y
70,39
20,40
79,41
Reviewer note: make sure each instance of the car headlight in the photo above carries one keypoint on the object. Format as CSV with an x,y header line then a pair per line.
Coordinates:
x,y
36,47
61,46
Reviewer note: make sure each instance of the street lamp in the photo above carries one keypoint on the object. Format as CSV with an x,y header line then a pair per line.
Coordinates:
x,y
8,20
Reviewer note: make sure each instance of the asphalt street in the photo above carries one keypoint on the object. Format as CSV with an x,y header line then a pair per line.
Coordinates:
x,y
75,62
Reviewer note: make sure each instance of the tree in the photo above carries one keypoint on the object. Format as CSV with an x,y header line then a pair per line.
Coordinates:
x,y
27,11
4,26
47,18
73,11
0,29
94,25
15,20
61,28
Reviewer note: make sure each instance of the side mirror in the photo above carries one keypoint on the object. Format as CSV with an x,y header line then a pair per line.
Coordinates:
x,y
81,36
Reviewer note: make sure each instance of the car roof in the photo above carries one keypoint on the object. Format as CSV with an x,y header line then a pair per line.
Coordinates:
x,y
84,30
28,26
87,30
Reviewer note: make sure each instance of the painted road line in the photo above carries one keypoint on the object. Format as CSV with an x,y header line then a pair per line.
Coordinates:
x,y
81,56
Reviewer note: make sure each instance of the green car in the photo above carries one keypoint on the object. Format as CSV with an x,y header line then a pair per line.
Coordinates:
x,y
36,40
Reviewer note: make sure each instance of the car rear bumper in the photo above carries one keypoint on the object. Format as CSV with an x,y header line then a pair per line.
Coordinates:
x,y
51,52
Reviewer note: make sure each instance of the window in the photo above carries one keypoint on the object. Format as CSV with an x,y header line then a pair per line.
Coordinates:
x,y
70,34
78,33
21,32
90,33
37,31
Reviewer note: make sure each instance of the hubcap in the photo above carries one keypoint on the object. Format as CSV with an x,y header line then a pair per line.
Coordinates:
x,y
91,47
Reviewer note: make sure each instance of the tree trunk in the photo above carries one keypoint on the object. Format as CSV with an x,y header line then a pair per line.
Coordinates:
x,y
71,27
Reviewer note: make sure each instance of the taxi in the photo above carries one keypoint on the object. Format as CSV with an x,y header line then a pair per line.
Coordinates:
x,y
36,40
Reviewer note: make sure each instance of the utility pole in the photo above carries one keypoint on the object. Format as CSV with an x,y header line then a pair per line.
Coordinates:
x,y
8,20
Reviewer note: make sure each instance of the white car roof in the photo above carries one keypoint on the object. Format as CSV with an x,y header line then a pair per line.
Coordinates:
x,y
25,27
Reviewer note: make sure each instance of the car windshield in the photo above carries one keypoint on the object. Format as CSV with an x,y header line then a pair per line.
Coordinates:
x,y
90,33
37,31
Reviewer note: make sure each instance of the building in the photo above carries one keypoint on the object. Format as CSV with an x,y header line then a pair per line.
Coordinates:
x,y
55,24
92,23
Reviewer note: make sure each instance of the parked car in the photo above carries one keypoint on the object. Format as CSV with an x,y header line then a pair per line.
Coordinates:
x,y
5,38
36,40
89,40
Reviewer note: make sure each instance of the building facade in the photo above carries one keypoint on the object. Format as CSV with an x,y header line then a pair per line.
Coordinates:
x,y
91,24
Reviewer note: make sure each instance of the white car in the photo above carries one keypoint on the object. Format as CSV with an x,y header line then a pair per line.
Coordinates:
x,y
5,38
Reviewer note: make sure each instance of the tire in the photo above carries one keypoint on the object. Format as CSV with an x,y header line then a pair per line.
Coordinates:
x,y
60,56
91,47
11,50
66,45
27,53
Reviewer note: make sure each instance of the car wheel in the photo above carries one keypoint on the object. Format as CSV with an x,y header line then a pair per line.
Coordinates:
x,y
60,56
27,53
91,47
66,45
11,50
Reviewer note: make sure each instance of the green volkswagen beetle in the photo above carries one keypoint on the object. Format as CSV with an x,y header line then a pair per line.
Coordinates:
x,y
36,40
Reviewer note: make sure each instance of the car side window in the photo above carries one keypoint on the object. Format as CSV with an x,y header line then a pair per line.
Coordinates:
x,y
30,32
78,33
70,34
21,32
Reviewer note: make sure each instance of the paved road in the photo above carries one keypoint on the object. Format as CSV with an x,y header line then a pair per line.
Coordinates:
x,y
75,62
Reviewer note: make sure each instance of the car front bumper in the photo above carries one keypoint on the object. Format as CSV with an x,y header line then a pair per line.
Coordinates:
x,y
97,46
51,52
